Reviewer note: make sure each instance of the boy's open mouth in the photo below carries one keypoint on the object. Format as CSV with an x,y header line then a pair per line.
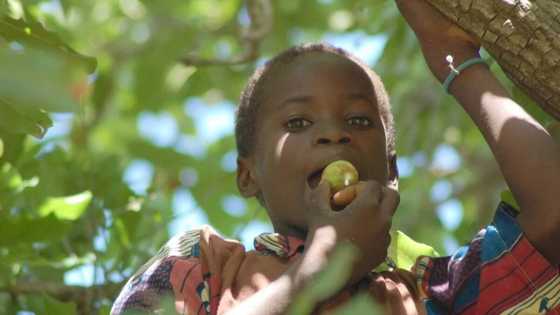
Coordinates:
x,y
315,177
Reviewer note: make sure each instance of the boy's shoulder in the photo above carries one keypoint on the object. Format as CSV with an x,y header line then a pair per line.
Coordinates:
x,y
499,271
185,255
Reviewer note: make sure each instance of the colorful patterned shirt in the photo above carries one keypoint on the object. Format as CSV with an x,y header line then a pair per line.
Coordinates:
x,y
499,272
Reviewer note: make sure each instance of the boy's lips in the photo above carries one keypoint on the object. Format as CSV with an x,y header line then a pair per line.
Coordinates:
x,y
315,177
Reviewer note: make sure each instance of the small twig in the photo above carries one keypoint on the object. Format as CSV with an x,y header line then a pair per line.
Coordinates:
x,y
260,15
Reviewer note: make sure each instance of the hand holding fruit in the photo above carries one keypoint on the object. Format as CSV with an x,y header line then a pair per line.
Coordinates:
x,y
341,176
365,222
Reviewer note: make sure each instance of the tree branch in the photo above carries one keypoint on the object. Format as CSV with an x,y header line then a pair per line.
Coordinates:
x,y
524,38
260,24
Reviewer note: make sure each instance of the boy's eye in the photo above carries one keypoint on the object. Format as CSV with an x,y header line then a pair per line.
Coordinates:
x,y
359,121
297,123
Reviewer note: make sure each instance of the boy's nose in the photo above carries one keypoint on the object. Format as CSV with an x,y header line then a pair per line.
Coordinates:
x,y
333,135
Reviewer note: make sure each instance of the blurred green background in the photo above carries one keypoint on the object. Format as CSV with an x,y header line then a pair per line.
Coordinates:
x,y
116,121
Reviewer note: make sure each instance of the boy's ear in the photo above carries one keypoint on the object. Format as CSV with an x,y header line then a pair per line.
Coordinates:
x,y
245,178
393,178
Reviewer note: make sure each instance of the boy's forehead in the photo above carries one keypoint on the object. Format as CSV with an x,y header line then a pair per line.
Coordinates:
x,y
320,62
313,73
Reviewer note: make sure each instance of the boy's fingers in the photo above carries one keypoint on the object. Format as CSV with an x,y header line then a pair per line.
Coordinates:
x,y
345,196
398,294
319,197
373,195
368,193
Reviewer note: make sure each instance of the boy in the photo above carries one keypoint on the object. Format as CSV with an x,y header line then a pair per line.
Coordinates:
x,y
315,104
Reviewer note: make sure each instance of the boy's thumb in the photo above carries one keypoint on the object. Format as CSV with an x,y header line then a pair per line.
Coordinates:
x,y
344,197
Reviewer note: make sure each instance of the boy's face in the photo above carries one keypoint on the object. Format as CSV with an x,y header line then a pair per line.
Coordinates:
x,y
317,109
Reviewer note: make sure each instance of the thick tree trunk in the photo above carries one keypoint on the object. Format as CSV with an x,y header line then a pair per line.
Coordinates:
x,y
524,38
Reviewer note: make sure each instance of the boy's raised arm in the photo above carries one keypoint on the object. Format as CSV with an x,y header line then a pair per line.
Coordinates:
x,y
528,156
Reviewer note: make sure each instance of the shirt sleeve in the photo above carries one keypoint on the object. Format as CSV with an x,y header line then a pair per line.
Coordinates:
x,y
498,272
172,271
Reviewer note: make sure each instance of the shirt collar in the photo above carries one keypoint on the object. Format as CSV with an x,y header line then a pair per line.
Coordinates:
x,y
278,245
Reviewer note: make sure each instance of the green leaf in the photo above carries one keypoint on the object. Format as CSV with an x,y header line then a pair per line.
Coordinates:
x,y
32,33
39,72
13,146
67,208
152,69
403,251
53,306
25,230
104,85
1,147
214,13
328,282
507,197
130,221
11,179
361,304
105,310
30,121
39,79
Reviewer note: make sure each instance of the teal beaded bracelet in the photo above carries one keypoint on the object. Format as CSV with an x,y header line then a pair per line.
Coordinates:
x,y
456,71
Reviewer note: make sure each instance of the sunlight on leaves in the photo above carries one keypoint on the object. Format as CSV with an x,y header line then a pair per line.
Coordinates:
x,y
404,251
507,197
67,208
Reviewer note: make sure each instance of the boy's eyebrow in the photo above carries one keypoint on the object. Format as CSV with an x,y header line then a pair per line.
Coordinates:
x,y
297,99
361,97
308,99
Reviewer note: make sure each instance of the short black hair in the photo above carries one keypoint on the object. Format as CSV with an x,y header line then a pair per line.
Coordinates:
x,y
252,95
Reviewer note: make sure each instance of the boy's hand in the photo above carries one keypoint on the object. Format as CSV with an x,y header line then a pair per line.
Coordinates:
x,y
438,36
365,222
344,197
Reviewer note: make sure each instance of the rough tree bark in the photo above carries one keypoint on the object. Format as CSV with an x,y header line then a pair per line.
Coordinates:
x,y
524,38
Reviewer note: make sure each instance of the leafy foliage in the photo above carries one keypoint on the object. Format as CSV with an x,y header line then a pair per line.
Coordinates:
x,y
328,282
403,252
103,157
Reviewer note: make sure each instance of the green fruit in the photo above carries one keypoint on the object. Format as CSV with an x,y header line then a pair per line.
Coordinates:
x,y
340,174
